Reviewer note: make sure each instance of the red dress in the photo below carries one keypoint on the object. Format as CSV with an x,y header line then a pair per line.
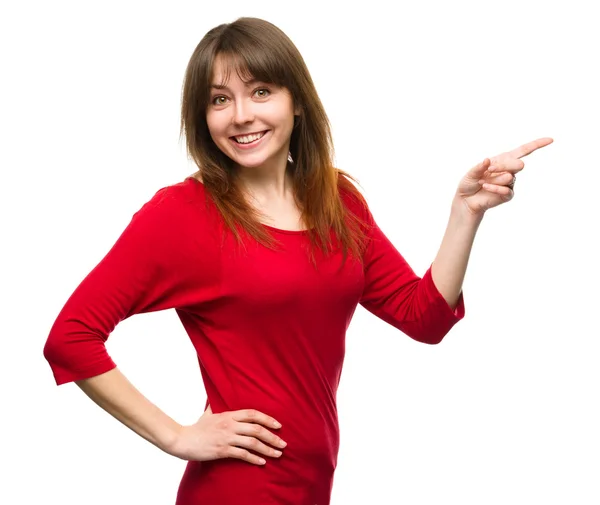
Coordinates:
x,y
268,328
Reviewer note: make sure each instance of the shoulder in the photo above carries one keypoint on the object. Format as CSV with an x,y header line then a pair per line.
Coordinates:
x,y
172,227
179,195
351,196
183,192
174,206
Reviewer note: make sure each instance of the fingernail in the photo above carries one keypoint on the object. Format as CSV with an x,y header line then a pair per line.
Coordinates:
x,y
261,461
277,425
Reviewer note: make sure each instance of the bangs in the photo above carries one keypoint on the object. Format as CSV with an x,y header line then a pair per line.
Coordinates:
x,y
251,60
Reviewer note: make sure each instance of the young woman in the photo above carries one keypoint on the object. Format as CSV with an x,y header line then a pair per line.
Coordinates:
x,y
264,253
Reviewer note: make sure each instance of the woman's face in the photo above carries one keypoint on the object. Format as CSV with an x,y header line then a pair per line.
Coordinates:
x,y
250,122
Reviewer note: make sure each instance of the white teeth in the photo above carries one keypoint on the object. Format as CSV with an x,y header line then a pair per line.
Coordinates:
x,y
249,138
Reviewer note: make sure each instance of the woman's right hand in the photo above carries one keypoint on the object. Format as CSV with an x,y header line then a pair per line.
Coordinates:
x,y
229,435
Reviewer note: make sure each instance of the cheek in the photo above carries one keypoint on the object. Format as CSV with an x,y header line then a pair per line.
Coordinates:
x,y
279,112
284,119
215,125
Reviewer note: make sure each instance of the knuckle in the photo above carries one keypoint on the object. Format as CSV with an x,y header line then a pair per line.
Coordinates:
x,y
251,413
236,452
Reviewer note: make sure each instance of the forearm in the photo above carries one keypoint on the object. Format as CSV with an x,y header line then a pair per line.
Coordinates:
x,y
450,265
113,392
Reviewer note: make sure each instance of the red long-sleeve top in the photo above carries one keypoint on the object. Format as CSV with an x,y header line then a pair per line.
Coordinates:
x,y
268,329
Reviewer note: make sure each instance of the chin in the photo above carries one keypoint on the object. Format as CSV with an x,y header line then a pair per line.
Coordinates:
x,y
250,164
256,161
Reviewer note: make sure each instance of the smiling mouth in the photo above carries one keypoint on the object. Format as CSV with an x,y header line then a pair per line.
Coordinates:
x,y
249,138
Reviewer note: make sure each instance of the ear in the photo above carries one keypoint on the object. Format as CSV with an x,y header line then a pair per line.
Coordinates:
x,y
297,110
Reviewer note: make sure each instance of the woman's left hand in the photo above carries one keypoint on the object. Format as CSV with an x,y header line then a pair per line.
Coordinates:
x,y
490,183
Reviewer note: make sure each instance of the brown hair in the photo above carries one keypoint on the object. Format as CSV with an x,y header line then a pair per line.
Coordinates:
x,y
257,49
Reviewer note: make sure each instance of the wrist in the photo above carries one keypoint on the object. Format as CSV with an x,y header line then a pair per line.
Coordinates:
x,y
461,214
169,441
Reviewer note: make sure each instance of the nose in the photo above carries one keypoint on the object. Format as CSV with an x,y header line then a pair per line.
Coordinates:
x,y
243,112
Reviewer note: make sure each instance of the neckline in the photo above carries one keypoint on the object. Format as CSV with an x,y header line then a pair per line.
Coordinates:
x,y
286,232
269,227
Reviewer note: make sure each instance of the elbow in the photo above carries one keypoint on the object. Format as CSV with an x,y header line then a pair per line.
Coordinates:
x,y
431,330
427,333
74,353
53,348
59,354
429,338
55,355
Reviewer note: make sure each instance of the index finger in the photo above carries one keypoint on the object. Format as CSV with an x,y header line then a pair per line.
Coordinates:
x,y
254,416
526,149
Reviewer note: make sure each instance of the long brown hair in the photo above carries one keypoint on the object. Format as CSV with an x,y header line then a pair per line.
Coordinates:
x,y
257,49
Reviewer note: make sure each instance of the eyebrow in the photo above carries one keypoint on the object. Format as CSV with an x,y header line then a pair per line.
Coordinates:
x,y
222,86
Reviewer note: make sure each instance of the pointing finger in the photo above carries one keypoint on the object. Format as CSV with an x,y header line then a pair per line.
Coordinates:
x,y
528,148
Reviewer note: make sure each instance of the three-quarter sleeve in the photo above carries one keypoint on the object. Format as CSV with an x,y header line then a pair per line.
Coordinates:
x,y
146,270
394,293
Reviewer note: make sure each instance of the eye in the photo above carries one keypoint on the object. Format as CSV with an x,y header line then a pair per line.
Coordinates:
x,y
265,93
215,102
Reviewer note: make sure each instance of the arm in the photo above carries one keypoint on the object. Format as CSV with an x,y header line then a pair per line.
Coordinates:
x,y
151,267
487,185
117,396
168,257
394,293
147,269
450,264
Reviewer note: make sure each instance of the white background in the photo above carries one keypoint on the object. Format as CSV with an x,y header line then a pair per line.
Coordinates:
x,y
504,410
